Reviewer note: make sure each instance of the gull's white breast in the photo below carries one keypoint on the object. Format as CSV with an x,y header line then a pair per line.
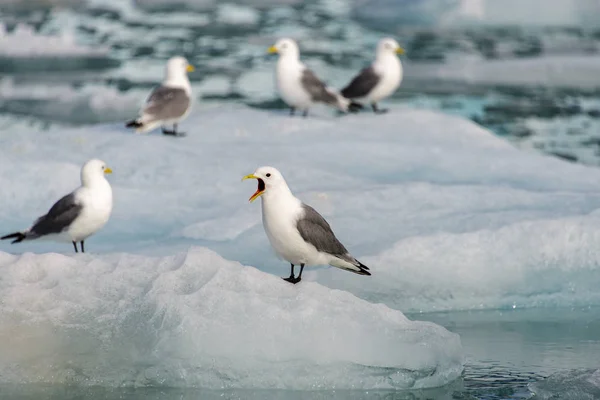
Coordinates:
x,y
279,221
389,69
288,77
96,210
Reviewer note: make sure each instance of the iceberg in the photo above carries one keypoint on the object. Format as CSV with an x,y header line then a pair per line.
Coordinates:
x,y
197,320
447,215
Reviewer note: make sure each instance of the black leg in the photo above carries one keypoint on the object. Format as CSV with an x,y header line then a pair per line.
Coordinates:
x,y
292,278
75,246
300,274
377,110
173,132
305,113
292,111
82,250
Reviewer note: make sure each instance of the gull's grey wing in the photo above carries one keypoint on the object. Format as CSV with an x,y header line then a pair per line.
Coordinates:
x,y
317,89
61,215
167,103
362,84
315,230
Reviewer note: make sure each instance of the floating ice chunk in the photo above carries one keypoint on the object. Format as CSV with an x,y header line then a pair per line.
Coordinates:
x,y
196,319
25,42
575,385
231,14
445,214
204,5
523,264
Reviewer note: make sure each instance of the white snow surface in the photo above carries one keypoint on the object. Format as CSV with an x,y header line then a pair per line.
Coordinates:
x,y
445,214
197,320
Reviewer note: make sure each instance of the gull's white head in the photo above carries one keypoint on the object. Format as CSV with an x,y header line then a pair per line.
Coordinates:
x,y
285,48
269,180
177,68
389,46
93,171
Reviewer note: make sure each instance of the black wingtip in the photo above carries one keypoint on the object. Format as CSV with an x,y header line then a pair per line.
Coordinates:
x,y
364,270
354,107
18,236
133,124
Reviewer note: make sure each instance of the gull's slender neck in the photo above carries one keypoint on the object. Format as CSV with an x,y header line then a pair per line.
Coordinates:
x,y
290,55
278,194
92,180
177,78
383,56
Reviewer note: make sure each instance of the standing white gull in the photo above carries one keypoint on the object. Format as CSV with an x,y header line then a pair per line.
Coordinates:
x,y
298,86
297,232
77,215
169,103
380,79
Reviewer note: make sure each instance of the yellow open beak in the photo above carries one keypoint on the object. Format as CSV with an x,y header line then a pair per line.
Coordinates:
x,y
190,68
259,191
272,50
107,170
399,50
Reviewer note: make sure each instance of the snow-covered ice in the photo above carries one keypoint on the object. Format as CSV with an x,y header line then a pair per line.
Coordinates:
x,y
446,215
197,320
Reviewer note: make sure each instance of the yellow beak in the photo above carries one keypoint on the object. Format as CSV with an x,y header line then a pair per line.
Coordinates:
x,y
272,50
259,191
190,68
399,50
107,170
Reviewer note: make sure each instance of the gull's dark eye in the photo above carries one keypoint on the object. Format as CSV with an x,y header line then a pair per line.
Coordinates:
x,y
268,175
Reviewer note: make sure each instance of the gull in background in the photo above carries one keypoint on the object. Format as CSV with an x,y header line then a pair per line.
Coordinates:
x,y
298,86
169,103
379,80
77,215
297,232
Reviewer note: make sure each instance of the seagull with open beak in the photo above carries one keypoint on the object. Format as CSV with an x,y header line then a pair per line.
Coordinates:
x,y
296,231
